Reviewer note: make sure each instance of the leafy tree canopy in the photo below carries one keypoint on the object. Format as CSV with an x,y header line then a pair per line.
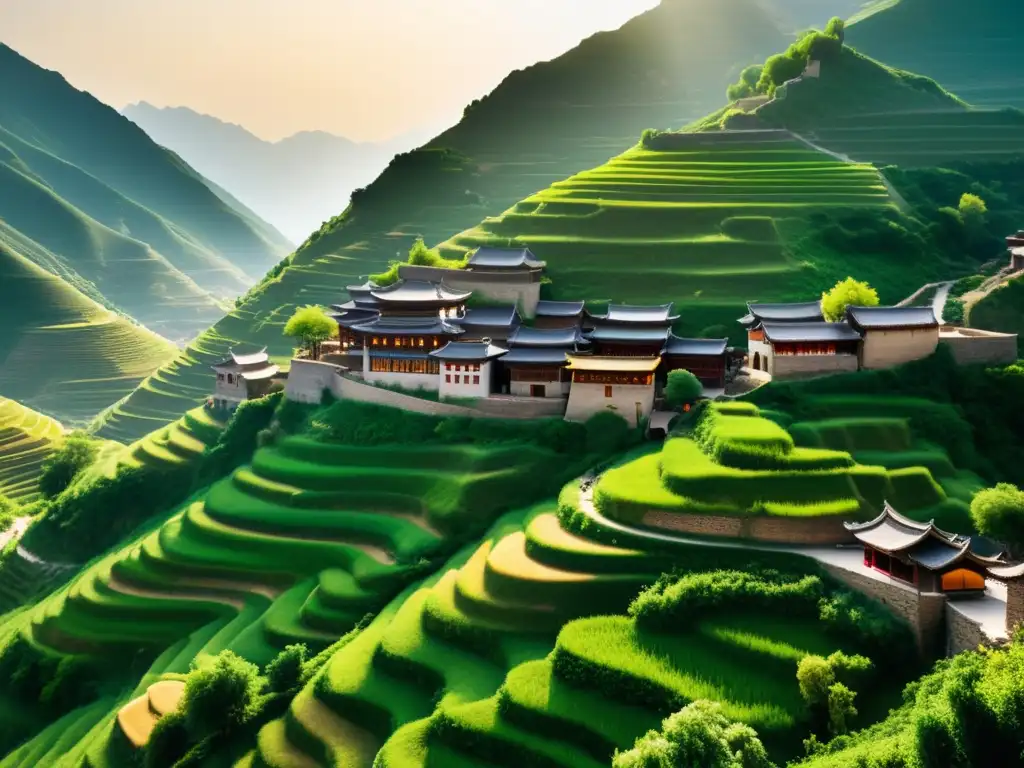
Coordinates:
x,y
972,210
312,327
847,293
220,697
681,388
75,453
697,735
999,512
285,670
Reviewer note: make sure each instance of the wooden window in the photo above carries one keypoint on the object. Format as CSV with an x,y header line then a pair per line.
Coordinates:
x,y
231,379
220,377
448,378
476,379
476,366
458,367
448,367
608,391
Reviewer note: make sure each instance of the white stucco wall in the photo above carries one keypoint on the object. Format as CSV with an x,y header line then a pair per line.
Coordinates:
x,y
587,399
757,351
551,388
308,379
506,289
885,349
802,366
448,387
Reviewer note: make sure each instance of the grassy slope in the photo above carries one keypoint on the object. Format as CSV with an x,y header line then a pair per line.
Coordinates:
x,y
100,163
63,354
971,48
26,439
542,124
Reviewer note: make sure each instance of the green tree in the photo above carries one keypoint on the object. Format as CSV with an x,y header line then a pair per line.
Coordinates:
x,y
8,511
681,389
780,68
746,86
422,256
999,512
220,697
285,670
76,452
168,743
836,28
847,293
698,735
840,708
312,327
606,432
973,212
815,676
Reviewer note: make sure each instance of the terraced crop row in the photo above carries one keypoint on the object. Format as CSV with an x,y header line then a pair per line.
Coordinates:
x,y
26,439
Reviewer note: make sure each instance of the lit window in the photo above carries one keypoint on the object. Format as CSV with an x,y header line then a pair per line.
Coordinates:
x,y
476,379
476,366
607,391
376,341
421,341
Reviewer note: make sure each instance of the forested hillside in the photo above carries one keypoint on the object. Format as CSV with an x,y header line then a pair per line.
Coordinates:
x,y
972,48
664,68
94,199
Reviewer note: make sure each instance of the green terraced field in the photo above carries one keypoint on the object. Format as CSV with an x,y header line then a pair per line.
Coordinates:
x,y
695,224
62,353
26,439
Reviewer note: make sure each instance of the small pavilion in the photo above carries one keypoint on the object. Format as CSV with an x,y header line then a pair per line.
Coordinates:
x,y
922,554
243,377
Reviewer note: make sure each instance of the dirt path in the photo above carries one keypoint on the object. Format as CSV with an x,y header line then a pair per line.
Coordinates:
x,y
129,589
16,531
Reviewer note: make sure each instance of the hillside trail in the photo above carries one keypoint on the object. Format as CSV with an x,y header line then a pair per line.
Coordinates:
x,y
993,283
16,531
893,192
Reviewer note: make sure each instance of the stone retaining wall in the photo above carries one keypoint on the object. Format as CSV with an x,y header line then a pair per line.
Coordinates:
x,y
1014,604
962,634
507,287
782,530
971,346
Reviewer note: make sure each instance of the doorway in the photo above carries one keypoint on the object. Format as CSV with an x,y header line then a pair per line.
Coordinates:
x,y
537,390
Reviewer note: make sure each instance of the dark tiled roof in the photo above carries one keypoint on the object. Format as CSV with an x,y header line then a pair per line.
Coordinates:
x,y
559,308
695,347
820,331
490,316
625,333
408,326
632,313
805,312
891,317
935,553
353,317
535,356
504,258
468,350
526,336
419,291
256,359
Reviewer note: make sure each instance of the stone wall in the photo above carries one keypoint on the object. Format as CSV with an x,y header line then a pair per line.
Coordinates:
x,y
511,288
587,399
971,346
1014,604
783,530
803,366
962,634
924,611
308,379
345,388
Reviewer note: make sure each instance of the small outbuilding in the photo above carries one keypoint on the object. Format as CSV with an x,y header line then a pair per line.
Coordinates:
x,y
922,554
624,385
894,335
466,368
243,377
795,349
704,358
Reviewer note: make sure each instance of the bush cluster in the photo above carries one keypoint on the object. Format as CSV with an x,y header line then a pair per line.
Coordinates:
x,y
76,452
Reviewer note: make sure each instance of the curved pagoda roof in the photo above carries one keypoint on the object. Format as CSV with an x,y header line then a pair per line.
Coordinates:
x,y
245,360
527,336
800,312
504,258
421,292
695,347
547,308
469,351
925,544
811,332
546,356
408,326
629,334
613,364
636,313
500,317
896,318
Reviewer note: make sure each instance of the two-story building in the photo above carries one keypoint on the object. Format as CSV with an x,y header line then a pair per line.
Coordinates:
x,y
243,376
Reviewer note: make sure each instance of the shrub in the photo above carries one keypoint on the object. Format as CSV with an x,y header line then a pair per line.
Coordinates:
x,y
815,677
8,512
606,433
221,697
840,708
168,743
847,293
682,388
284,671
999,513
76,452
972,211
238,441
697,735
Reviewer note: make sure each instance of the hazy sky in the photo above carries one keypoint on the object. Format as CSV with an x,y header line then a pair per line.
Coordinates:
x,y
366,69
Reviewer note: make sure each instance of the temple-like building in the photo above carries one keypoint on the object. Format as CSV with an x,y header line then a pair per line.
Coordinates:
x,y
704,358
492,322
922,554
559,314
242,377
535,365
467,368
894,335
787,350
